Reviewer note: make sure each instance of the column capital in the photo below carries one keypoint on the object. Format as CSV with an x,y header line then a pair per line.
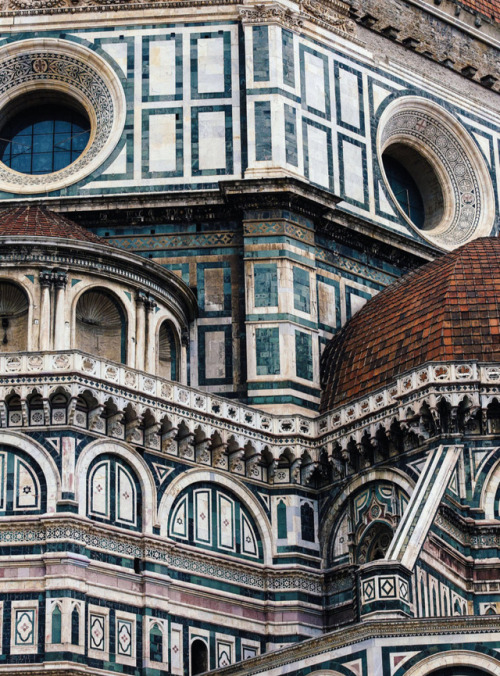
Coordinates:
x,y
45,278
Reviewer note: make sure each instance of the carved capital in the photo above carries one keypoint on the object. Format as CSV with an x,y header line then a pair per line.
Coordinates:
x,y
266,14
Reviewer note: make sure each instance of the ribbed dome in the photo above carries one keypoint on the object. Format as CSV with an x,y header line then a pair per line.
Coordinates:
x,y
36,221
447,310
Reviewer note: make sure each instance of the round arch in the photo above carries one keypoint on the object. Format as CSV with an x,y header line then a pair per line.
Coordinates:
x,y
98,447
102,301
19,318
490,488
44,460
456,658
212,476
394,476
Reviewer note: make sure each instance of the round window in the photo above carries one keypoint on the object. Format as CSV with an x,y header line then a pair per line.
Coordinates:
x,y
45,138
434,172
60,119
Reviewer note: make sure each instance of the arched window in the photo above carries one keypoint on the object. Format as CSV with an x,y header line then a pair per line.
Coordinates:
x,y
155,644
75,626
422,598
13,318
445,605
206,516
101,327
199,657
282,525
168,352
375,542
307,522
23,488
435,602
56,625
114,493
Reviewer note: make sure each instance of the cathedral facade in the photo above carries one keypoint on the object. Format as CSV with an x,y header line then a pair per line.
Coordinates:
x,y
250,337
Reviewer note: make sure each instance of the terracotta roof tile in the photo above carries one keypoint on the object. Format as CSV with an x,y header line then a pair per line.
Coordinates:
x,y
489,8
445,311
36,221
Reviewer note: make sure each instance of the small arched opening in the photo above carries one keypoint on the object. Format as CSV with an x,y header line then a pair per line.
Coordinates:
x,y
13,318
101,326
199,657
168,352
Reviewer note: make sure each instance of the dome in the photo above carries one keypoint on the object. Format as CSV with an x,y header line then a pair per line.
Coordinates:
x,y
36,221
447,311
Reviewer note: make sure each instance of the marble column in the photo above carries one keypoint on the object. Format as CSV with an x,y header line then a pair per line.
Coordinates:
x,y
45,280
140,330
60,279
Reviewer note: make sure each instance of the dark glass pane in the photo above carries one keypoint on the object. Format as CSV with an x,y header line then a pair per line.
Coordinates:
x,y
43,139
75,627
63,126
43,143
62,160
62,141
405,190
42,163
21,163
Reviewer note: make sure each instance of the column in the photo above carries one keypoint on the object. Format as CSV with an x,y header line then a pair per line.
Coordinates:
x,y
60,278
140,330
150,306
44,328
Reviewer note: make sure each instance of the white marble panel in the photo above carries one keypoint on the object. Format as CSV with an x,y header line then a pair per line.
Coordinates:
x,y
118,51
318,156
210,65
212,140
162,68
327,304
162,148
315,82
353,171
349,98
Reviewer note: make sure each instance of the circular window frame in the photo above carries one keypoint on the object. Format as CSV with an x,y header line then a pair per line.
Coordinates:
x,y
467,191
53,67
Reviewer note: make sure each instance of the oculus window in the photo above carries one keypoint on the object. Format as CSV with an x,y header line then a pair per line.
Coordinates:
x,y
44,139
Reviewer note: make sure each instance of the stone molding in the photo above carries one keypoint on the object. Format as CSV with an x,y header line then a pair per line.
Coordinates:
x,y
366,631
251,575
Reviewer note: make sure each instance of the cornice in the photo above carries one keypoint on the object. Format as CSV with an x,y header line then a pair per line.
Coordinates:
x,y
365,631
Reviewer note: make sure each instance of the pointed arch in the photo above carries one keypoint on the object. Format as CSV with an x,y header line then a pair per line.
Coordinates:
x,y
332,511
489,501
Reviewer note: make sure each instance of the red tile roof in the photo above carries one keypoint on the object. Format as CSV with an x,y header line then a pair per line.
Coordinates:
x,y
447,310
489,8
37,221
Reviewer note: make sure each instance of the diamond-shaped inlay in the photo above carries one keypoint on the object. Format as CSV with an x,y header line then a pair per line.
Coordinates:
x,y
369,590
387,587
